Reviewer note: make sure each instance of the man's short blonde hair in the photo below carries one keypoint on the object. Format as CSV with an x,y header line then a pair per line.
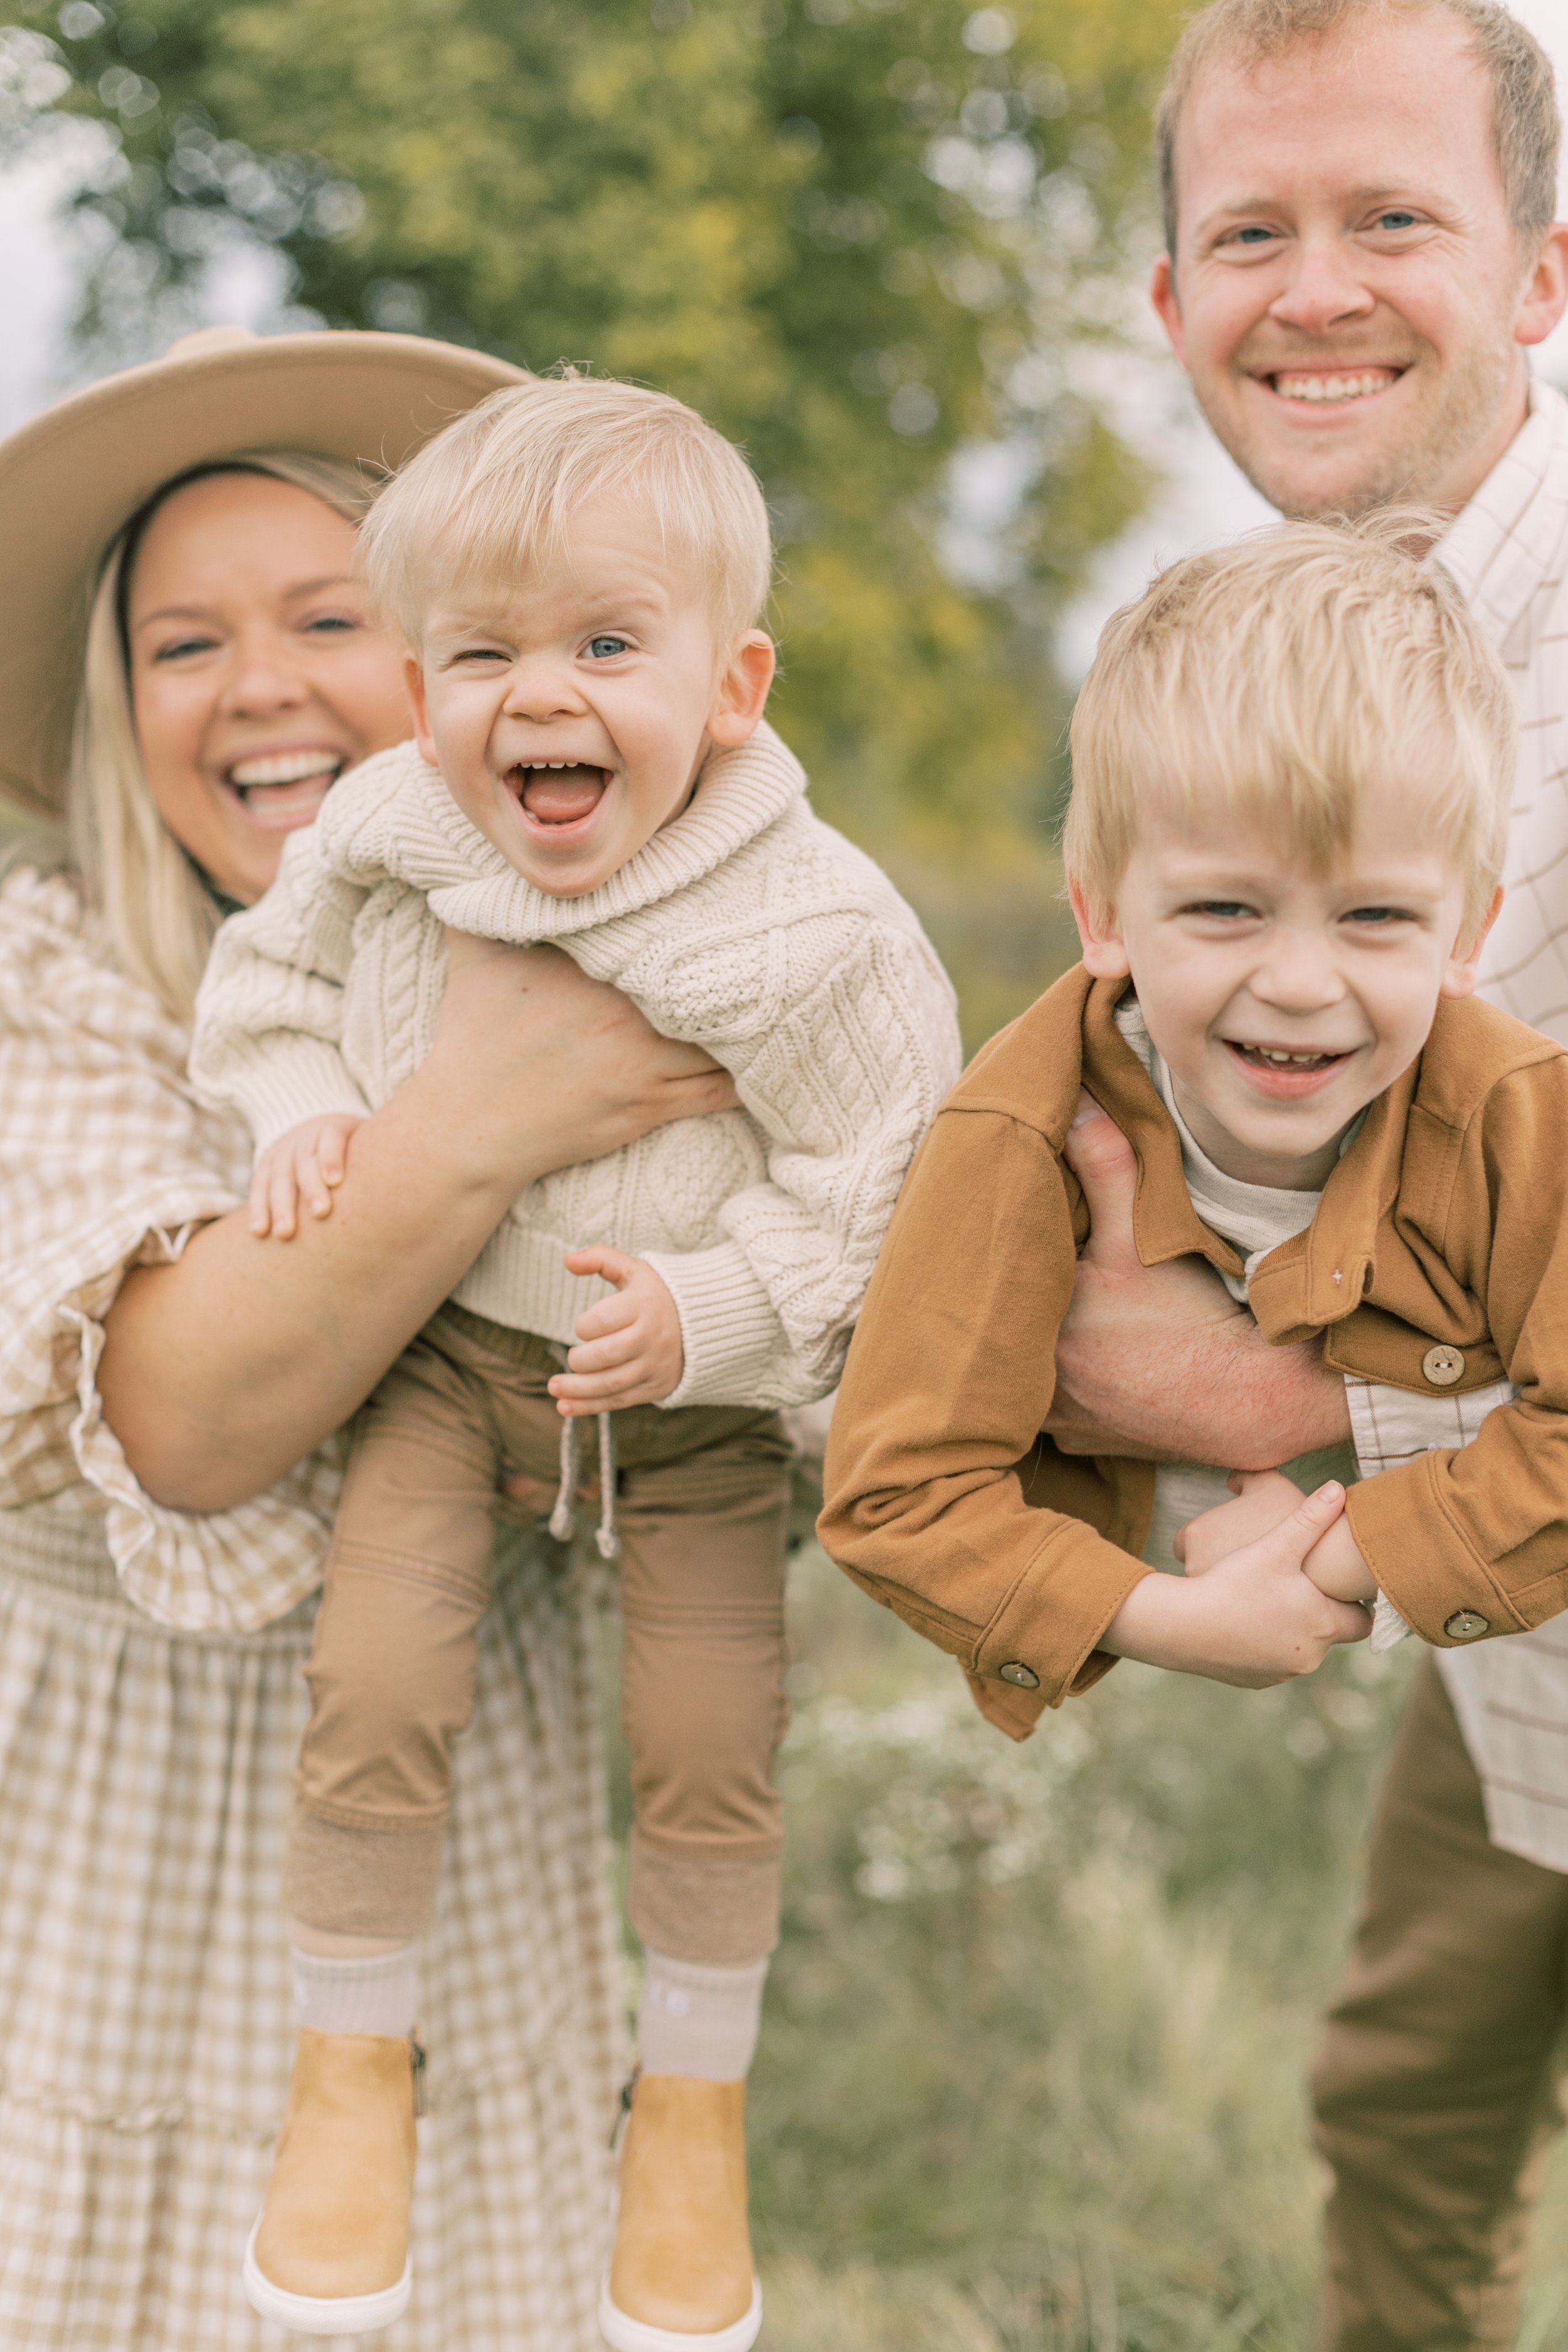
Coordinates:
x,y
493,496
1526,125
1282,679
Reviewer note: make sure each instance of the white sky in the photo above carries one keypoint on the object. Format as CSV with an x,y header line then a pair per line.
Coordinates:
x,y
1205,499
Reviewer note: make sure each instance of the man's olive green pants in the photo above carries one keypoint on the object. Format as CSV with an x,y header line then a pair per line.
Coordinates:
x,y
1436,2085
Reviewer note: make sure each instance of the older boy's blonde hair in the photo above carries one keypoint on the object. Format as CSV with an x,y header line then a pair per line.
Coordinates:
x,y
1281,679
1526,126
492,496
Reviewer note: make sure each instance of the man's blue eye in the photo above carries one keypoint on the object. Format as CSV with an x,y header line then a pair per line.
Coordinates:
x,y
1254,236
1397,220
607,648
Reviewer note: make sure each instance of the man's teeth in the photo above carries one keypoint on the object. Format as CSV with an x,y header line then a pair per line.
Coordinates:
x,y
284,768
1325,388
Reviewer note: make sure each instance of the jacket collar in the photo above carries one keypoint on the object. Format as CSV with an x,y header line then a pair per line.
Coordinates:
x,y
1322,1273
1507,544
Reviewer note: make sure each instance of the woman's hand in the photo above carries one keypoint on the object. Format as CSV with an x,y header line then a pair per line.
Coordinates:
x,y
220,1373
1160,1363
552,1068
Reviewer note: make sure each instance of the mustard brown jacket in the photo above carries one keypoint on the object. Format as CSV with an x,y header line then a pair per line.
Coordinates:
x,y
1445,1226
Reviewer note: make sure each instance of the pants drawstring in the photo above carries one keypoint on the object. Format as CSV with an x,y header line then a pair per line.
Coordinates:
x,y
563,1517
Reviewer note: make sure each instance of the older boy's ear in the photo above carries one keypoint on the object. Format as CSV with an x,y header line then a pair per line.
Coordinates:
x,y
1103,953
1460,980
413,686
743,692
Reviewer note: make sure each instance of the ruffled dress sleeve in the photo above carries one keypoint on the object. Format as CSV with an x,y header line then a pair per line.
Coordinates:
x,y
109,1162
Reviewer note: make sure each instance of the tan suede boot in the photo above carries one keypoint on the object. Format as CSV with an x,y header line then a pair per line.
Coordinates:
x,y
683,2261
334,2227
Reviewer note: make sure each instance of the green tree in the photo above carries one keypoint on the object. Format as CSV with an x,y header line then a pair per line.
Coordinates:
x,y
861,234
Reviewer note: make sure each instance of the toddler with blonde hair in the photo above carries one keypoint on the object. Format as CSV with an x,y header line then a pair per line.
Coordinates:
x,y
579,569
1292,761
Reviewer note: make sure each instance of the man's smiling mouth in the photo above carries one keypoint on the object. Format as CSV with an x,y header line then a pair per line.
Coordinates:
x,y
557,791
1331,388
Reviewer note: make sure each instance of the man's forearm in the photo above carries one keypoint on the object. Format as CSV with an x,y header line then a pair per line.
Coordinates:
x,y
1217,1392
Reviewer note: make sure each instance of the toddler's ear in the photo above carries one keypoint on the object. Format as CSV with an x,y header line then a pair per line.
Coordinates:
x,y
742,694
413,686
1459,979
1103,953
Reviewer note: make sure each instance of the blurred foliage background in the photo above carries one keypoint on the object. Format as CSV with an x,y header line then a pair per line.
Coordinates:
x,y
1032,2077
882,243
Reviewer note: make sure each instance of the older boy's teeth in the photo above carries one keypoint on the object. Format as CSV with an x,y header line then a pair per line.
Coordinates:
x,y
1358,385
1280,1057
284,768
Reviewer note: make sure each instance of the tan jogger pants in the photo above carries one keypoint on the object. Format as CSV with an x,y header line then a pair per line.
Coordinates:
x,y
702,1506
1435,2086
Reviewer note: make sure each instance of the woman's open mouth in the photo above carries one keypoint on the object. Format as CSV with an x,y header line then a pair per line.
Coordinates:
x,y
1285,1072
282,790
1332,387
558,797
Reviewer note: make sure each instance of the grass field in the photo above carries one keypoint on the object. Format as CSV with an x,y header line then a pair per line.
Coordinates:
x,y
1032,2073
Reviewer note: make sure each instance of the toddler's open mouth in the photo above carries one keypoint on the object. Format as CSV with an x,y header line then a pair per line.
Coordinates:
x,y
558,793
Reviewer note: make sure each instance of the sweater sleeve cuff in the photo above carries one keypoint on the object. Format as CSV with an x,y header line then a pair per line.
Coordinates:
x,y
1422,1563
278,1089
730,1329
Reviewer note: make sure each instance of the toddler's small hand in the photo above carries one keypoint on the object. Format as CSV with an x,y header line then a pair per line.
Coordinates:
x,y
1337,1566
630,1349
308,1164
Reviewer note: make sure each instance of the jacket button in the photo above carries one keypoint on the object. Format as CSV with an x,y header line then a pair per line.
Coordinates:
x,y
1017,1672
1465,1624
1443,1366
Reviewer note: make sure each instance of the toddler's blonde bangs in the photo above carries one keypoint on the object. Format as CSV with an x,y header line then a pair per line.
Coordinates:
x,y
491,498
1278,681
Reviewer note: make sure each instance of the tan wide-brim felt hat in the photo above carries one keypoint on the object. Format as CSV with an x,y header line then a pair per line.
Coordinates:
x,y
72,477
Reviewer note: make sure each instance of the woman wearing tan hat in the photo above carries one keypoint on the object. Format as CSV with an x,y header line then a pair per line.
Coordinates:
x,y
185,666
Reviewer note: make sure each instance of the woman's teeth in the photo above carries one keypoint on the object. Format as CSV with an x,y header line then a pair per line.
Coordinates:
x,y
285,768
1357,385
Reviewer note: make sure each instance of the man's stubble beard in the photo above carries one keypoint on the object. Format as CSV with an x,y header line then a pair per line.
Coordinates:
x,y
1470,400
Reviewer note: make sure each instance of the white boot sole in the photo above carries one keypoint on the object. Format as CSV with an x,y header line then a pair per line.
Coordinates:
x,y
624,2334
339,2314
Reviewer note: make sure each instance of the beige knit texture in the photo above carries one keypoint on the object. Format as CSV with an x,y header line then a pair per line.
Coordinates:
x,y
747,927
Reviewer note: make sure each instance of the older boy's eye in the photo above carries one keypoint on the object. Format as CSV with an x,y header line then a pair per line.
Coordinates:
x,y
1221,911
607,648
1374,915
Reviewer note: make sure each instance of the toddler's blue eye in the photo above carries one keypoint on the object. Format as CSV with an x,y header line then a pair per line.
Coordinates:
x,y
607,648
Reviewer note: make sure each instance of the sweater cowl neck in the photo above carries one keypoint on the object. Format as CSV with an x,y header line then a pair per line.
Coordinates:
x,y
426,841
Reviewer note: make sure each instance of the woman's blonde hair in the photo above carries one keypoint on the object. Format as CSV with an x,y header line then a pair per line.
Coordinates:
x,y
1278,681
156,910
488,499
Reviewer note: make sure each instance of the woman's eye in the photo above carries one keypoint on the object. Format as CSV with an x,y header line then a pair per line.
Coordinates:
x,y
607,648
179,647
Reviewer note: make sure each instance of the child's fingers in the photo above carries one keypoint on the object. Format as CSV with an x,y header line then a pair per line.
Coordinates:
x,y
604,1355
613,1264
260,1205
283,1198
1286,1545
601,1390
314,1189
332,1150
617,1312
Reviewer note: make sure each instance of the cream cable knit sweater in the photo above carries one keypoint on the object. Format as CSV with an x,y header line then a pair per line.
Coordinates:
x,y
746,926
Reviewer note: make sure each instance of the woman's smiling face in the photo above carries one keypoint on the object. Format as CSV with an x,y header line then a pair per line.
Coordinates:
x,y
256,676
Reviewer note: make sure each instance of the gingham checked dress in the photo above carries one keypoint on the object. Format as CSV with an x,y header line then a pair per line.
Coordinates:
x,y
151,1708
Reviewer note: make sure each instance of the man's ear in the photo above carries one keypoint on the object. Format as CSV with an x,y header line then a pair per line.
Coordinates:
x,y
1103,953
1545,296
1459,979
413,684
742,694
1163,294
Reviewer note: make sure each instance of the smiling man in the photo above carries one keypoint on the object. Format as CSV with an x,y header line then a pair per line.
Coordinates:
x,y
1359,199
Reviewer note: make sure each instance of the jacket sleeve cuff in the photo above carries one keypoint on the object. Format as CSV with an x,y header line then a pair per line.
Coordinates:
x,y
1051,1622
734,1343
1422,1563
